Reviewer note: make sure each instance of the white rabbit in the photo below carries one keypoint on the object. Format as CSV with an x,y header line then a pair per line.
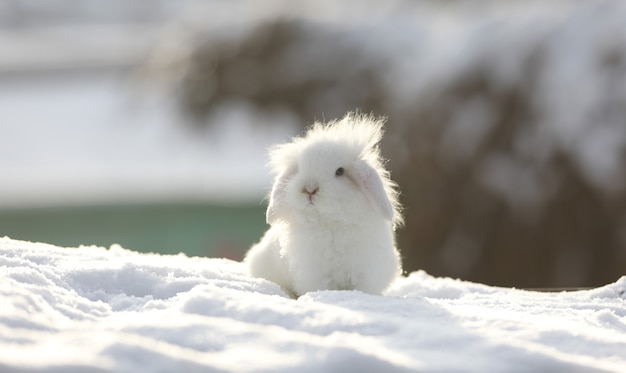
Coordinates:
x,y
332,210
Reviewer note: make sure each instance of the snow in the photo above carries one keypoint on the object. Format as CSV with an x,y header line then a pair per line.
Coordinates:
x,y
98,309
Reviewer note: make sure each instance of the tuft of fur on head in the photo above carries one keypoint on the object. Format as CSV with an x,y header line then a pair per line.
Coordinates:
x,y
359,134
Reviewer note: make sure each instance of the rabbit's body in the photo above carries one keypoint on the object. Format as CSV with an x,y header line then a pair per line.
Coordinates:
x,y
329,257
332,211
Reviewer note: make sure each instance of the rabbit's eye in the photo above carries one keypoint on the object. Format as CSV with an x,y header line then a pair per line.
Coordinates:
x,y
339,171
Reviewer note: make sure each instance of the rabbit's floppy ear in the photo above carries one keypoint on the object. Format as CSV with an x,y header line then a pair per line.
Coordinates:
x,y
371,184
277,196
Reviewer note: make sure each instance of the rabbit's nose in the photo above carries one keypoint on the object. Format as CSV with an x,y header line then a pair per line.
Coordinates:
x,y
310,188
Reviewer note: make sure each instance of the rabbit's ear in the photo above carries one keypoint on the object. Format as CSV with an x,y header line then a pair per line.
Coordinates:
x,y
371,184
277,196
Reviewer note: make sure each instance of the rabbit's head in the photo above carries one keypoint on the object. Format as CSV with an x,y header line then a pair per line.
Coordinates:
x,y
334,173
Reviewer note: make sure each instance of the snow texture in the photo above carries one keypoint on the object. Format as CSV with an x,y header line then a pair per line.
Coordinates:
x,y
97,309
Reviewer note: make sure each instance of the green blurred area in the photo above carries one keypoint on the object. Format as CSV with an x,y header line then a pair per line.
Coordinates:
x,y
166,228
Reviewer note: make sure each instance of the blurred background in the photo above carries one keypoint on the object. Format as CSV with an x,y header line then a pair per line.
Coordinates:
x,y
146,123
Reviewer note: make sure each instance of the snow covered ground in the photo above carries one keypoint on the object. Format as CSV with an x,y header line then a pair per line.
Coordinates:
x,y
98,309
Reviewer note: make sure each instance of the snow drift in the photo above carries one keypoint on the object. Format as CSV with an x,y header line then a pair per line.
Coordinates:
x,y
97,309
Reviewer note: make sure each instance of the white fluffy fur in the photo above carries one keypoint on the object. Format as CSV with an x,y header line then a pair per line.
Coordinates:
x,y
342,236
